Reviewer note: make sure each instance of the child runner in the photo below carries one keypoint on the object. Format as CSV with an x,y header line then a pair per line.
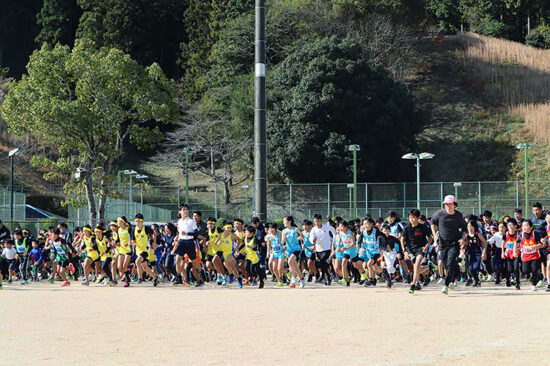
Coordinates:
x,y
9,254
214,257
251,246
497,241
529,243
92,254
349,249
309,250
512,260
125,237
225,242
275,247
36,259
61,249
238,225
416,239
337,253
104,248
142,236
113,236
23,247
477,250
291,237
372,240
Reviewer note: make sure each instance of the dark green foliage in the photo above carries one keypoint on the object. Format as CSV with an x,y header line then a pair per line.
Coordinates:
x,y
535,39
325,97
59,21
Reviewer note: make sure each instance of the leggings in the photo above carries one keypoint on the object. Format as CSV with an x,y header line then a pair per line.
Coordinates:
x,y
532,267
474,263
106,266
23,266
255,269
449,256
497,261
169,263
512,266
322,258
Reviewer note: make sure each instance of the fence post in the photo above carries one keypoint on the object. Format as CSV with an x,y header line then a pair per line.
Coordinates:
x,y
479,195
441,191
328,199
179,197
517,194
215,199
290,197
404,199
366,198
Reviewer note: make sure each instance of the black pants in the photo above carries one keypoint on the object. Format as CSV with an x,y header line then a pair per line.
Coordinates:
x,y
106,266
322,258
449,257
532,267
497,261
24,266
512,266
255,269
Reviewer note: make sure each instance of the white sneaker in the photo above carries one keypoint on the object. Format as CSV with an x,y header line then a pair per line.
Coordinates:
x,y
490,278
440,281
302,283
86,283
533,288
445,290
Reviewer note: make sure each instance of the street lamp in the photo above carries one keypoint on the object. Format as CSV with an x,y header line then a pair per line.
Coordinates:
x,y
131,173
418,157
247,187
141,176
526,146
456,185
355,149
187,150
12,155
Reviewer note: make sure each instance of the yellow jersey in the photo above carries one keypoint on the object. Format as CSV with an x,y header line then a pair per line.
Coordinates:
x,y
251,249
241,246
102,248
226,243
124,238
213,240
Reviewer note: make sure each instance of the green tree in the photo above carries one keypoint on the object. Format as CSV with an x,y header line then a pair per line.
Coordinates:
x,y
59,21
326,96
149,30
90,104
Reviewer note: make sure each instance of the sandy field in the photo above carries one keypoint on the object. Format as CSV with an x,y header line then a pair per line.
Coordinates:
x,y
46,324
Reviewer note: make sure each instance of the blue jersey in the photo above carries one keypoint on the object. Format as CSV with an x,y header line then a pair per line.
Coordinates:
x,y
338,244
370,243
396,229
346,242
291,240
277,246
307,244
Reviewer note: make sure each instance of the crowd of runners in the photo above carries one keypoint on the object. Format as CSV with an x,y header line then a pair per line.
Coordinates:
x,y
447,248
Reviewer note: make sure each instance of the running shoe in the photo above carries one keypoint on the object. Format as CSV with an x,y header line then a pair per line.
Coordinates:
x,y
292,285
24,282
508,284
440,281
368,283
113,283
343,282
66,283
427,281
490,278
445,290
547,289
280,284
540,283
469,283
533,288
219,279
246,282
71,268
477,284
302,283
187,284
518,288
224,281
309,278
9,281
411,290
389,284
86,283
240,280
126,284
417,287
199,284
364,276
261,284
231,279
156,281
289,276
51,280
254,282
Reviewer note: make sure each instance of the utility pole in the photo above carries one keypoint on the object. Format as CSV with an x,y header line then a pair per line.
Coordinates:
x,y
355,149
260,148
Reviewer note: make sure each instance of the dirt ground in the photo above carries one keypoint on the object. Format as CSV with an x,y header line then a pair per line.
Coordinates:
x,y
47,324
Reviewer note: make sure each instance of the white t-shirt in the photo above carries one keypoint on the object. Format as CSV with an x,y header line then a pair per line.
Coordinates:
x,y
321,237
496,240
9,253
186,226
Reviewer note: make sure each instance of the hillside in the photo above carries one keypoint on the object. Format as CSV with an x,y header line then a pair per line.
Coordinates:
x,y
477,91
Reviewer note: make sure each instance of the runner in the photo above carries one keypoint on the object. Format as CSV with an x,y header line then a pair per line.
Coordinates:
x,y
253,256
185,244
61,249
238,225
416,240
290,239
322,236
477,250
371,242
214,251
124,248
23,247
529,243
103,244
225,242
349,249
143,235
309,250
497,241
92,254
509,254
277,250
449,226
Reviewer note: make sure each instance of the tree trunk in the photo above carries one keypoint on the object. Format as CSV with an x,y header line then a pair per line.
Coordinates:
x,y
90,195
226,193
107,167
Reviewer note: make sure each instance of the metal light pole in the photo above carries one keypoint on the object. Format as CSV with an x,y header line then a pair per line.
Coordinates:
x,y
350,187
526,146
246,186
418,157
141,176
260,149
187,150
131,173
12,155
355,149
456,185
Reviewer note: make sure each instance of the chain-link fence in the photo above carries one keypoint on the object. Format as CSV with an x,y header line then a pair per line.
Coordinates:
x,y
159,203
19,205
